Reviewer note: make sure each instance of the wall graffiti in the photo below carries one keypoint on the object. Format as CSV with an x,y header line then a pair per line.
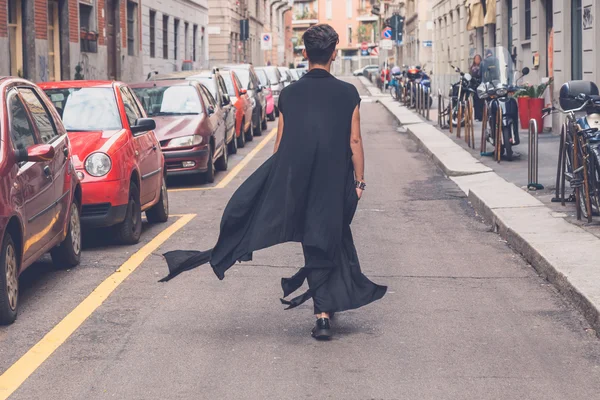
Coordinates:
x,y
85,69
43,68
588,18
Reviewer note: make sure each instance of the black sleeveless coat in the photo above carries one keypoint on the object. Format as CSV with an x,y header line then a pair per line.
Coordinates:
x,y
304,193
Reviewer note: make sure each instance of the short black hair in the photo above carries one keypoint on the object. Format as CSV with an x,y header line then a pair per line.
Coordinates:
x,y
320,41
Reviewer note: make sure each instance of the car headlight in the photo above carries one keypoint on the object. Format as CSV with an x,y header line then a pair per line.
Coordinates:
x,y
185,141
98,164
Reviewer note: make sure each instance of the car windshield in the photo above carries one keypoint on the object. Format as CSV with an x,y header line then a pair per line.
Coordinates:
x,y
86,109
273,75
229,84
169,100
244,76
262,76
210,85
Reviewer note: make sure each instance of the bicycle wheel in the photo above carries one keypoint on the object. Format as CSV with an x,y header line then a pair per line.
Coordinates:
x,y
594,179
393,92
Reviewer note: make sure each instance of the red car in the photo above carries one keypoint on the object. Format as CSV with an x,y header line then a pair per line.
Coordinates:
x,y
40,194
116,155
191,126
242,104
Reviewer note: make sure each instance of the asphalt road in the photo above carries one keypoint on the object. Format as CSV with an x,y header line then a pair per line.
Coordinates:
x,y
464,317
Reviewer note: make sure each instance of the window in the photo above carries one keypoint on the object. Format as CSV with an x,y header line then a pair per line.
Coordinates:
x,y
175,38
152,33
165,29
510,24
207,98
131,19
15,36
349,8
349,34
328,9
527,19
87,23
41,117
169,100
223,90
576,38
21,130
194,36
229,83
131,108
86,109
186,43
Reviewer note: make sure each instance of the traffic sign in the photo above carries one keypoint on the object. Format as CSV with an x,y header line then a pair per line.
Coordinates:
x,y
427,43
386,44
386,33
364,46
266,41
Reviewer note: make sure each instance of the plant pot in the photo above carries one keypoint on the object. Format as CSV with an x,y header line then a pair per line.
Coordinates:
x,y
535,112
524,111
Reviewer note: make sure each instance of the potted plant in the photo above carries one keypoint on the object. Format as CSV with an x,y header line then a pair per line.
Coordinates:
x,y
531,103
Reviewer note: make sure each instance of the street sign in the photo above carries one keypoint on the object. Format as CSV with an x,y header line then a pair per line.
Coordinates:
x,y
386,44
364,46
427,43
266,41
365,52
386,33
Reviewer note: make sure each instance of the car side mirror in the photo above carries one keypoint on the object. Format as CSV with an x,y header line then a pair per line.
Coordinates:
x,y
36,153
259,88
211,110
226,101
143,125
243,91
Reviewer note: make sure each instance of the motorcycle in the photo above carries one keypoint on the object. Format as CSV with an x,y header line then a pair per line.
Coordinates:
x,y
459,92
397,83
497,87
414,77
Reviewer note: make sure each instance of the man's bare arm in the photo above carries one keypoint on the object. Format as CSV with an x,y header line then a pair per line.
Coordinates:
x,y
358,155
279,133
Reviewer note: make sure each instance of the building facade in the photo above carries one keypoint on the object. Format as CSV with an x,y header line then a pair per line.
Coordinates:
x,y
49,40
417,46
174,35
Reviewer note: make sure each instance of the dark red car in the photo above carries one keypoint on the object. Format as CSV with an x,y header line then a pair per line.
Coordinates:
x,y
40,194
116,155
190,125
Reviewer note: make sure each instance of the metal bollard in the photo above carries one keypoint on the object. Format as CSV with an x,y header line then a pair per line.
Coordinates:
x,y
532,169
427,103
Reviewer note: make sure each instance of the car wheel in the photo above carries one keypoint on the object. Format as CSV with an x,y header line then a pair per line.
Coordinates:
x,y
276,112
130,230
221,163
250,133
68,253
160,211
233,145
209,175
263,124
258,127
271,116
241,140
9,281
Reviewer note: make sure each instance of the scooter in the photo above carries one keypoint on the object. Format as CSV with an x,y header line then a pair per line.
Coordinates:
x,y
460,92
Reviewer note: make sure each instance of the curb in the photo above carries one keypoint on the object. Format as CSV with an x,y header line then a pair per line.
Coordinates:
x,y
563,254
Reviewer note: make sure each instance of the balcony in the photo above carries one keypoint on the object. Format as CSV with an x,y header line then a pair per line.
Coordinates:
x,y
305,19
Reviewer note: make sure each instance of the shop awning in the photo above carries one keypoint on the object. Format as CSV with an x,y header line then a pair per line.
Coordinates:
x,y
490,12
476,17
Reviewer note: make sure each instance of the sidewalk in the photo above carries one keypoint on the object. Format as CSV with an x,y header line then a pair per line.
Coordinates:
x,y
561,249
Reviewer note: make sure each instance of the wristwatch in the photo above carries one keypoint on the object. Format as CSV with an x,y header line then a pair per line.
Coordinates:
x,y
360,185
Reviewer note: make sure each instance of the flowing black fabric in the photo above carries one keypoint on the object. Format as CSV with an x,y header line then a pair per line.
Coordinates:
x,y
303,193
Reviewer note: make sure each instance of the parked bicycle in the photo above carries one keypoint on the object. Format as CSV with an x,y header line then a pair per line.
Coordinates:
x,y
579,152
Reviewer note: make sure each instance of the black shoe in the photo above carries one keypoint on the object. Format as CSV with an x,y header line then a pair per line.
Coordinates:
x,y
322,329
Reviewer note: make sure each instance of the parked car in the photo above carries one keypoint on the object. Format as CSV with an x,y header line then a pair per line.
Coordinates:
x,y
40,198
213,81
189,124
276,84
295,74
256,93
368,69
266,84
116,155
285,75
243,106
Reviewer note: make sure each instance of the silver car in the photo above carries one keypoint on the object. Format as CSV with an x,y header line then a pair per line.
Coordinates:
x,y
276,84
286,77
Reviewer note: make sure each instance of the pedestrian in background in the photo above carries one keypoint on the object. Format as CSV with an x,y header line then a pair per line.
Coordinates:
x,y
475,71
306,192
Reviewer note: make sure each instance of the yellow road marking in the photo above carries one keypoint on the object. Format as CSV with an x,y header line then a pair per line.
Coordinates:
x,y
236,170
246,160
30,361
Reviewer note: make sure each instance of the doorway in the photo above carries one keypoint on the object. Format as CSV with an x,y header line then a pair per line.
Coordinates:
x,y
576,38
111,38
53,41
15,37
